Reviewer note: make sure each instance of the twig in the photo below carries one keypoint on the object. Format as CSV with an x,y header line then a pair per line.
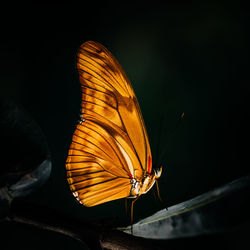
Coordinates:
x,y
95,235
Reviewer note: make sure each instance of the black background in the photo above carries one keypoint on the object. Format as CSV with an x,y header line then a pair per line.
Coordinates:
x,y
180,57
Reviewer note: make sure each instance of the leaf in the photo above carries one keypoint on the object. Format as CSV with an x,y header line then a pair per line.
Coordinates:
x,y
31,181
220,210
25,157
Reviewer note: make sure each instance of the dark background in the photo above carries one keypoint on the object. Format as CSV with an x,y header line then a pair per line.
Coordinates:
x,y
180,57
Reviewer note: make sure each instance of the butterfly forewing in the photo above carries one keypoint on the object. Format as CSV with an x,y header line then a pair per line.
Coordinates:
x,y
110,144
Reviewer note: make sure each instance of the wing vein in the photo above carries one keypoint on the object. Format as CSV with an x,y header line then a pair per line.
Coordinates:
x,y
99,99
97,73
98,183
115,62
97,104
109,145
105,70
90,142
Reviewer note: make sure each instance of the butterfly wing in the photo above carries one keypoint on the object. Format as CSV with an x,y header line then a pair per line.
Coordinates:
x,y
110,144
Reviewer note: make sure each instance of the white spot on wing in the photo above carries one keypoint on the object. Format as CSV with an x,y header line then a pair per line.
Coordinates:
x,y
81,119
127,158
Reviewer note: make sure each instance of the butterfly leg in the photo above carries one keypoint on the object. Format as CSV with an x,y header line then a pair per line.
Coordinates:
x,y
158,191
126,206
132,213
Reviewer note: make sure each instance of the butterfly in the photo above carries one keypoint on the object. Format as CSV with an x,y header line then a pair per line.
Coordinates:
x,y
109,157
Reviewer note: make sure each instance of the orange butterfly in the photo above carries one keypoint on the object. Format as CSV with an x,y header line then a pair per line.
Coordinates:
x,y
109,157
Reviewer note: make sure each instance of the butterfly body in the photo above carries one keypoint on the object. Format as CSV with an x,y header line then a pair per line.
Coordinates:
x,y
109,157
142,187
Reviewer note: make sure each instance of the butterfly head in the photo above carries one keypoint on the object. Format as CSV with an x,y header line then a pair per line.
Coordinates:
x,y
157,172
149,180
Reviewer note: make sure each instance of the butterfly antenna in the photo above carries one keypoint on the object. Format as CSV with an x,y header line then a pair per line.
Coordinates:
x,y
177,125
172,132
157,155
153,191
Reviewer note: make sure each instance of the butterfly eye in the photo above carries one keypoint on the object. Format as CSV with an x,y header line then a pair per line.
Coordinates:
x,y
158,172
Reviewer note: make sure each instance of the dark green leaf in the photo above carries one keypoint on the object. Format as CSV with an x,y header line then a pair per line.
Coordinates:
x,y
222,209
25,158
